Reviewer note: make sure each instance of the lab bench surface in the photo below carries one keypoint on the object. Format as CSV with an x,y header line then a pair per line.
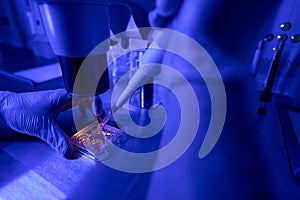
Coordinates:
x,y
249,161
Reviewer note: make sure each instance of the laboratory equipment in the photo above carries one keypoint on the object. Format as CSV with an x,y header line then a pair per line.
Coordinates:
x,y
145,72
23,45
289,119
75,27
22,31
95,140
276,61
276,72
130,62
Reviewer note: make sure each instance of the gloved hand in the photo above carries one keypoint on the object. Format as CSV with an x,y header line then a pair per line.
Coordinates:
x,y
34,113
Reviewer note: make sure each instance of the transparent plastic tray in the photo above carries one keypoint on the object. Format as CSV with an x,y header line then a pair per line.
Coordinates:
x,y
95,140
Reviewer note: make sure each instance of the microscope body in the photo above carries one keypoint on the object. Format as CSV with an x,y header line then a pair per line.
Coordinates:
x,y
276,63
75,27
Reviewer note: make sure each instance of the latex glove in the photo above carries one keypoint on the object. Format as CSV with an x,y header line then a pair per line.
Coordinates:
x,y
163,13
34,113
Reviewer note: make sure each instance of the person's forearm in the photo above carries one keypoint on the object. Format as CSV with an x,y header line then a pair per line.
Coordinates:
x,y
3,95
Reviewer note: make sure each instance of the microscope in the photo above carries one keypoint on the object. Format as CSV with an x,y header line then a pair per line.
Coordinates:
x,y
75,27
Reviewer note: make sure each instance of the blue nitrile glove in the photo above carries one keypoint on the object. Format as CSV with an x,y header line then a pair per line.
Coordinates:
x,y
164,11
34,113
